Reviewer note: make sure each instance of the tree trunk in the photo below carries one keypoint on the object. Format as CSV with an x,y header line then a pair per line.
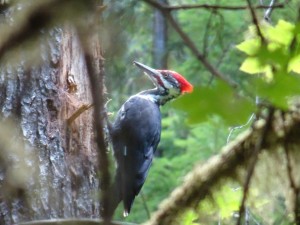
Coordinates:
x,y
49,162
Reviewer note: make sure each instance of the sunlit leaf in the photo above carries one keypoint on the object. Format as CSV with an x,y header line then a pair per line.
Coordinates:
x,y
190,218
294,64
229,200
252,65
250,47
272,46
274,60
282,33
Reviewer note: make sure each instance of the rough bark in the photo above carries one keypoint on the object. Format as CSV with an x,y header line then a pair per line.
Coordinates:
x,y
40,99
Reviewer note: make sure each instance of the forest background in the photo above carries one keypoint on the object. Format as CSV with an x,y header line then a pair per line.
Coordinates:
x,y
196,128
243,58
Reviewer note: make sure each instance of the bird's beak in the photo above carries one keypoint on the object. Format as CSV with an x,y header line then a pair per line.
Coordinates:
x,y
153,74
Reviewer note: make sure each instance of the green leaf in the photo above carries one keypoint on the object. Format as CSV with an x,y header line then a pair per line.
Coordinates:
x,y
229,200
282,33
250,47
252,65
279,89
276,56
189,218
220,100
294,64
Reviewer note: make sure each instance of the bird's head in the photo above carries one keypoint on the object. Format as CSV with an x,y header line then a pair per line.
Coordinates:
x,y
170,83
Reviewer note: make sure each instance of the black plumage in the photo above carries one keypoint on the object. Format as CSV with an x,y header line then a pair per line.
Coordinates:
x,y
135,135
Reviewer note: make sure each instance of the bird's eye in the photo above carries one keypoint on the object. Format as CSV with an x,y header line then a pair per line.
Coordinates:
x,y
166,75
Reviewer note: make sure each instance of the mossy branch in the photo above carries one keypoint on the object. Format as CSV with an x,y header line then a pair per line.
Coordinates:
x,y
200,182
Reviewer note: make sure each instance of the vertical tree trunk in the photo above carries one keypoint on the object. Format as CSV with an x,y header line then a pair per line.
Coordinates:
x,y
160,38
57,155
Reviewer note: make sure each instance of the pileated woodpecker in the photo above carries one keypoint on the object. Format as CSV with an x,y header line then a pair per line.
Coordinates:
x,y
136,133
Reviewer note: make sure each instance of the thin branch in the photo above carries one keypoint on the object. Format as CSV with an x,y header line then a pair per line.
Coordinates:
x,y
145,205
211,7
261,2
192,45
246,216
78,112
97,92
94,61
255,22
268,11
239,127
252,162
206,33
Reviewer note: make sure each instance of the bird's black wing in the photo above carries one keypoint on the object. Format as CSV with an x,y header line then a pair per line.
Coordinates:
x,y
136,134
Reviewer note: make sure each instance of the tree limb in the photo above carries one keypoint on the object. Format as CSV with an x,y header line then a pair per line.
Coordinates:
x,y
89,38
202,179
212,7
252,162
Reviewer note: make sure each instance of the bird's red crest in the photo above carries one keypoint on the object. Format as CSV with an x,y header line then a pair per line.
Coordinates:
x,y
185,86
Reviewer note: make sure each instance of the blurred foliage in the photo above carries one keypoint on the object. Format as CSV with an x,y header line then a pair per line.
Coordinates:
x,y
196,126
225,104
276,59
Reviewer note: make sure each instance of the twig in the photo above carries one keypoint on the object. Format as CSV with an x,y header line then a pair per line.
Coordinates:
x,y
220,61
258,147
269,10
192,45
239,127
145,205
210,7
206,33
78,112
255,22
97,92
246,216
